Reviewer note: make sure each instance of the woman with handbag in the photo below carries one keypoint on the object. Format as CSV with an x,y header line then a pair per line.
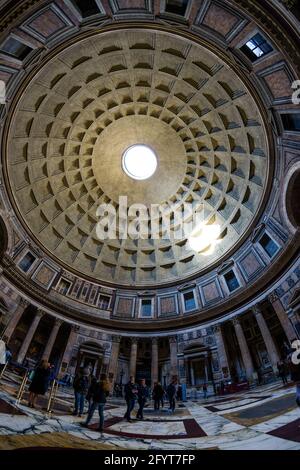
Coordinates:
x,y
40,382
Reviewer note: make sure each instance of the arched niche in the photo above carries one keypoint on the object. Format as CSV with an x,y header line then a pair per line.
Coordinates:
x,y
289,198
292,197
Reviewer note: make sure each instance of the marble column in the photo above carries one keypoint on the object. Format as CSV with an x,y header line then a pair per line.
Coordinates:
x,y
114,357
206,360
282,316
69,348
30,334
154,361
133,357
173,357
246,356
182,367
192,374
105,365
52,338
16,317
222,354
267,337
294,318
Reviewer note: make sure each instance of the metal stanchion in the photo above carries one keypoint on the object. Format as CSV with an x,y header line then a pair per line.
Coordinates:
x,y
3,370
52,395
22,388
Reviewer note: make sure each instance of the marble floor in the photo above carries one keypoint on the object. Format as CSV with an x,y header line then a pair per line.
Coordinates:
x,y
266,417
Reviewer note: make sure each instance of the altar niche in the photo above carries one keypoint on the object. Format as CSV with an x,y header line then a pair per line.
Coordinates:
x,y
90,355
198,362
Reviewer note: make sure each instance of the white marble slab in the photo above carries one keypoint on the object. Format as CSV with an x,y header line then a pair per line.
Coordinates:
x,y
212,423
278,421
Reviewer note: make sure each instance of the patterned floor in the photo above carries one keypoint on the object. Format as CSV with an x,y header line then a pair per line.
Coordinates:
x,y
263,418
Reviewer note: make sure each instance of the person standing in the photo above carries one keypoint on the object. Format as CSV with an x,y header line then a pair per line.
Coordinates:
x,y
8,355
282,373
89,396
162,401
171,392
295,377
204,391
99,393
40,382
143,395
130,397
81,386
179,393
157,395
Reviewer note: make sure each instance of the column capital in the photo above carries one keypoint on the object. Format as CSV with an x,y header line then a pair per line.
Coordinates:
x,y
217,328
256,310
273,297
23,303
40,313
134,340
155,341
58,321
172,339
75,328
116,338
236,321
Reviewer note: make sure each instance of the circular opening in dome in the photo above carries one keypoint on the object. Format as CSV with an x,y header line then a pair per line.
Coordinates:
x,y
139,162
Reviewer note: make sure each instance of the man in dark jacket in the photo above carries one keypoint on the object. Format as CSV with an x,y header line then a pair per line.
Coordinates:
x,y
171,392
158,395
143,395
81,385
92,387
130,397
282,372
99,392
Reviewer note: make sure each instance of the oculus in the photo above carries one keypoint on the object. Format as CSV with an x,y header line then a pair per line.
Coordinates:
x,y
139,162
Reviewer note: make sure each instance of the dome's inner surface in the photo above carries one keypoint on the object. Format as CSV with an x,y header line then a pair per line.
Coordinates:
x,y
100,97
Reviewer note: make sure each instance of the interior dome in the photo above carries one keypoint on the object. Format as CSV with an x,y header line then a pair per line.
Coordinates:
x,y
149,223
105,94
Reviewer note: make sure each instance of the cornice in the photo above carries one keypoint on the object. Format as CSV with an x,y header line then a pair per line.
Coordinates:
x,y
41,298
267,14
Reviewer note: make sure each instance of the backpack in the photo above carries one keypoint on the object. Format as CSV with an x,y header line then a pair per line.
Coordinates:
x,y
81,384
171,390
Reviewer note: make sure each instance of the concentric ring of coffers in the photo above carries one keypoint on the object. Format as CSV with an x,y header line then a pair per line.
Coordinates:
x,y
106,93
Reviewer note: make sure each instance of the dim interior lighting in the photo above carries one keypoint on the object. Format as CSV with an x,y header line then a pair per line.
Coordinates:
x,y
139,162
204,237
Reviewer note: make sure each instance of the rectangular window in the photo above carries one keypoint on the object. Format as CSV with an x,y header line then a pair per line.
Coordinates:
x,y
146,308
27,262
231,281
291,122
64,286
103,302
189,301
87,8
177,7
15,48
256,47
268,245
